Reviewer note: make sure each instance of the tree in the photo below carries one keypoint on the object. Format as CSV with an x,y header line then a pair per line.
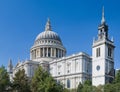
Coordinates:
x,y
88,82
21,82
117,87
42,81
112,87
117,77
109,88
99,88
87,88
79,88
4,79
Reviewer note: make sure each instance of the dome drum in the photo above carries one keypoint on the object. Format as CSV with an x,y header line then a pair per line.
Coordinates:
x,y
47,52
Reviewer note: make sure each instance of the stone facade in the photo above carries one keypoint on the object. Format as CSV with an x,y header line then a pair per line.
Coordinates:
x,y
75,68
49,52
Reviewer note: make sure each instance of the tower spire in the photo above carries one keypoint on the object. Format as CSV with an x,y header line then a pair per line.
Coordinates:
x,y
103,16
103,27
48,25
10,66
10,63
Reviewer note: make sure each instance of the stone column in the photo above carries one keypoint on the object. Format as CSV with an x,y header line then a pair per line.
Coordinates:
x,y
54,52
51,52
36,53
39,52
47,51
43,52
33,54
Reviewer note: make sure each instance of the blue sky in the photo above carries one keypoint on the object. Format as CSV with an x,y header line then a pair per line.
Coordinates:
x,y
76,21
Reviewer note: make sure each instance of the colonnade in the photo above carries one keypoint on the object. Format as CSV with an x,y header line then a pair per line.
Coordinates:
x,y
47,52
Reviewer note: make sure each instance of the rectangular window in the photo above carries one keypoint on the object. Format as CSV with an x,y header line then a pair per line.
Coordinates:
x,y
68,67
68,83
59,69
98,52
109,52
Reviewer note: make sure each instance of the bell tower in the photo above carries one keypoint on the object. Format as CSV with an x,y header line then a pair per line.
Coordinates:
x,y
102,56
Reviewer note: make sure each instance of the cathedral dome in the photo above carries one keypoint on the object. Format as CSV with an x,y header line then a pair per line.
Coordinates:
x,y
47,45
48,35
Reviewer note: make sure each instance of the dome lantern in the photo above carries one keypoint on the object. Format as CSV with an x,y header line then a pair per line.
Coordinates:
x,y
48,25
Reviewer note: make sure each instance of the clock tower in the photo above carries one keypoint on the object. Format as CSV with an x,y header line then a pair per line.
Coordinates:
x,y
102,56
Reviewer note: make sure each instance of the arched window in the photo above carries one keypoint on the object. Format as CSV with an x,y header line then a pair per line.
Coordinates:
x,y
68,83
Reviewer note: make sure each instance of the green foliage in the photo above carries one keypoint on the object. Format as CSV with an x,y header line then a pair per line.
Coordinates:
x,y
88,82
4,79
42,81
79,88
73,90
99,88
115,86
21,82
86,87
117,77
112,87
108,88
64,90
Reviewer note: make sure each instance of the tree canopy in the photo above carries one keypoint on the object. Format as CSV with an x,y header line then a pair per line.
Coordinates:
x,y
117,77
21,82
42,81
4,79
